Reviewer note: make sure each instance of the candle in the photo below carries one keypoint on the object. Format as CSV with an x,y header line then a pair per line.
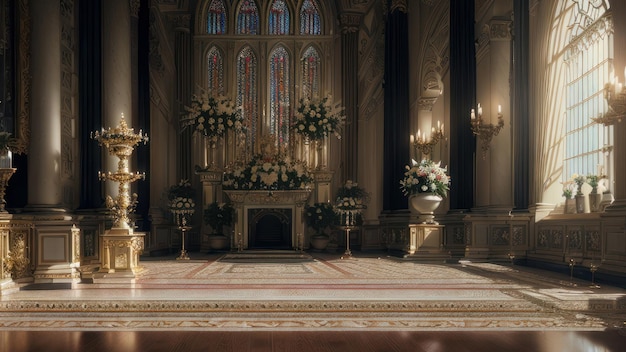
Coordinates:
x,y
472,114
499,109
419,135
412,139
480,110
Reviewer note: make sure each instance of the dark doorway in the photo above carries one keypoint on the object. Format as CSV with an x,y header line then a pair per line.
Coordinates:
x,y
269,228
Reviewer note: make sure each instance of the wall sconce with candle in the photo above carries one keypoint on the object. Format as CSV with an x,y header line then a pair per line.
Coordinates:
x,y
615,96
485,131
424,144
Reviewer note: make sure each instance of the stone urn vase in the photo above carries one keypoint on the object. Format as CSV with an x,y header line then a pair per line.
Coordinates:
x,y
319,241
424,205
580,203
218,241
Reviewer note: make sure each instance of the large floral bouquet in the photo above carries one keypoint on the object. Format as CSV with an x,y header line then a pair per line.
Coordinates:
x,y
320,216
181,198
316,118
425,177
268,173
217,215
212,115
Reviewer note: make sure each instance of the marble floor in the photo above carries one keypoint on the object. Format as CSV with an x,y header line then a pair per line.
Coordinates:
x,y
341,303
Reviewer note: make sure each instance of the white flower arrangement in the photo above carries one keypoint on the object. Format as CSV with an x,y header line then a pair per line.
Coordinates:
x,y
181,198
273,173
212,115
425,177
318,118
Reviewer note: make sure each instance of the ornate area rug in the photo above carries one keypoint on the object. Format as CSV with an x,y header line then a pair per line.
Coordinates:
x,y
321,292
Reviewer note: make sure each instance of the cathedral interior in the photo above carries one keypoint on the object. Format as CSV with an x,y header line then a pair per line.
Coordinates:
x,y
280,154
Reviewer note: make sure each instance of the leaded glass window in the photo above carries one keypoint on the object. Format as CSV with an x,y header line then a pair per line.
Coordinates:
x,y
247,94
247,18
279,95
216,18
310,66
279,18
215,70
589,65
310,23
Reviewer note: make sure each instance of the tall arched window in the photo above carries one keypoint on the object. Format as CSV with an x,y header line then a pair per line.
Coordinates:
x,y
310,22
310,66
215,70
279,18
589,64
216,18
280,107
247,95
247,18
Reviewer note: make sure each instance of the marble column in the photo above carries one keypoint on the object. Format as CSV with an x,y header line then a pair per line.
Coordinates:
x,y
116,73
44,158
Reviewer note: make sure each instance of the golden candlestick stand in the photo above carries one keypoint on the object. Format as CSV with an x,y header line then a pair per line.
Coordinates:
x,y
120,141
181,220
348,222
5,175
425,144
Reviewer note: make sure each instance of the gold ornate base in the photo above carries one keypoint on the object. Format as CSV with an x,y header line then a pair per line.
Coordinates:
x,y
120,255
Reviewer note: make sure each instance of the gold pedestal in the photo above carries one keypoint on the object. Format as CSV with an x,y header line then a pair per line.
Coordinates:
x,y
120,253
5,175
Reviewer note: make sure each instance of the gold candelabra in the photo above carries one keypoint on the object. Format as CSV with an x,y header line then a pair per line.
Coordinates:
x,y
120,141
485,131
424,144
615,96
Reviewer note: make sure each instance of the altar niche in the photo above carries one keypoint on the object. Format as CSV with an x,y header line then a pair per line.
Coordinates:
x,y
270,228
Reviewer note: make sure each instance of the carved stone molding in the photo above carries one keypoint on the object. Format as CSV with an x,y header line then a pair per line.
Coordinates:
x,y
426,103
398,5
500,30
350,22
20,144
181,21
134,7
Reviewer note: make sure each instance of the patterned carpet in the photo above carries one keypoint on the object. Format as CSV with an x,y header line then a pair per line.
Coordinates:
x,y
231,292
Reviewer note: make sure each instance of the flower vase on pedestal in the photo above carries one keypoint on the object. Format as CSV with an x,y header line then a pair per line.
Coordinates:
x,y
424,205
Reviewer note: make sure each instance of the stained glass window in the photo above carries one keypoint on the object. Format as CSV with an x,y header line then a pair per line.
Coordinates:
x,y
279,18
248,18
310,23
589,65
279,95
247,94
216,18
310,65
215,70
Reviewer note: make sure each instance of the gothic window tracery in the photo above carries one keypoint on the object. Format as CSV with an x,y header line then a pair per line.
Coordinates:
x,y
247,18
310,20
247,94
280,106
310,72
279,18
216,19
215,70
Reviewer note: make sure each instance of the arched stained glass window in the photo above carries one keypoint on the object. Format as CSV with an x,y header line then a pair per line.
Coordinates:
x,y
215,70
216,18
279,18
247,18
247,94
589,65
310,66
279,95
310,22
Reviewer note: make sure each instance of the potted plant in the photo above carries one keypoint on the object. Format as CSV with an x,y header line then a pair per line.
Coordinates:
x,y
595,197
217,215
426,184
579,180
568,193
320,217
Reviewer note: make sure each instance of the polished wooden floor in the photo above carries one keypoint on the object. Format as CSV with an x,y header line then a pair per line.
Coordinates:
x,y
305,341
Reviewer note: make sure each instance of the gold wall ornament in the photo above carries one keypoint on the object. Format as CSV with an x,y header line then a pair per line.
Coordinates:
x,y
120,141
615,96
17,262
5,175
485,132
425,144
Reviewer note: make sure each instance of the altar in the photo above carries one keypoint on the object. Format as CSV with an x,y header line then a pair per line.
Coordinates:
x,y
269,219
